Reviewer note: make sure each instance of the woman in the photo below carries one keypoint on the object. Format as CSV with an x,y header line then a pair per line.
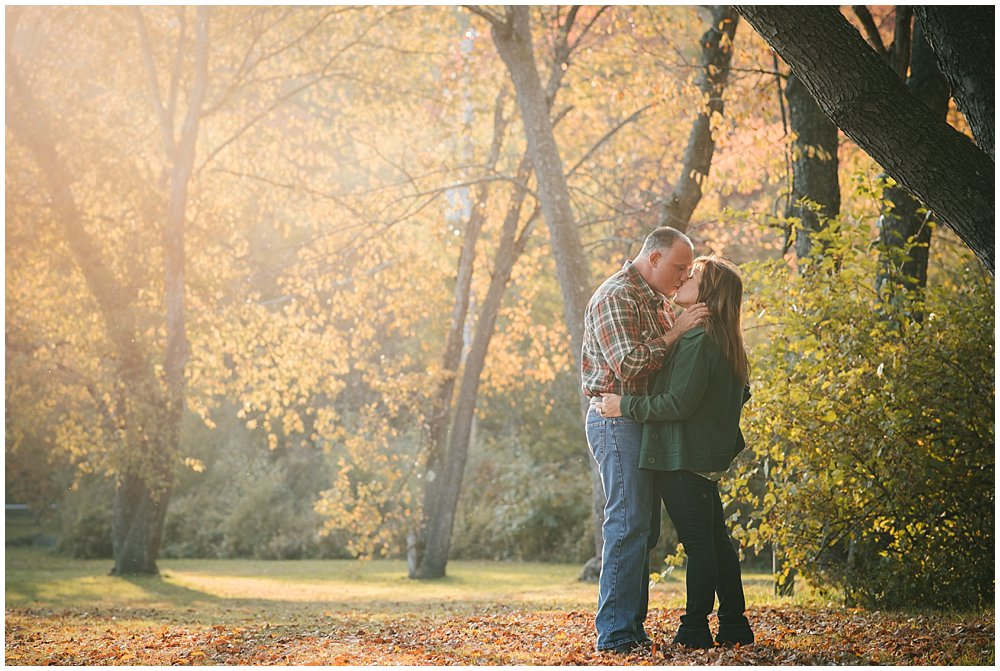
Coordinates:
x,y
690,436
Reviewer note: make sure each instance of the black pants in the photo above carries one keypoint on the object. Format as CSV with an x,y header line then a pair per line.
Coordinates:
x,y
713,566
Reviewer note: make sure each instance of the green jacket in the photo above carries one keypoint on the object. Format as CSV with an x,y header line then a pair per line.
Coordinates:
x,y
691,419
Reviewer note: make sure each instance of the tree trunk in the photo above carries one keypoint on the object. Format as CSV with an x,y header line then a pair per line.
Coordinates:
x,y
514,44
902,221
963,39
815,186
865,98
439,530
716,53
149,409
439,500
137,525
145,475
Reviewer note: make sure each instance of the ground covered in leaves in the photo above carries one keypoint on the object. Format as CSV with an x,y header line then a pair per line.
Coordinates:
x,y
497,637
242,612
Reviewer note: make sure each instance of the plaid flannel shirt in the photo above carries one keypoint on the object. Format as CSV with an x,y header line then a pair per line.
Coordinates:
x,y
623,324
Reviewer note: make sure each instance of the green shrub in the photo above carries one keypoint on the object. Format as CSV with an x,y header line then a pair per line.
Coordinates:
x,y
873,422
247,501
85,515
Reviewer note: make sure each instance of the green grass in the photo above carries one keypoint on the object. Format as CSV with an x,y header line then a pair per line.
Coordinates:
x,y
227,590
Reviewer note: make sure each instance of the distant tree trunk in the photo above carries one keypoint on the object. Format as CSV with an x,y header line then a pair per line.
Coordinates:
x,y
716,53
902,221
442,480
963,39
815,187
439,533
144,474
149,409
865,98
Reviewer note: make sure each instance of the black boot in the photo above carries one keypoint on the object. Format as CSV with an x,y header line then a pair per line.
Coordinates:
x,y
732,633
697,636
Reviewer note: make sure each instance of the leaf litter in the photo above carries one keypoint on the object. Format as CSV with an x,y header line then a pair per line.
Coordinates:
x,y
785,636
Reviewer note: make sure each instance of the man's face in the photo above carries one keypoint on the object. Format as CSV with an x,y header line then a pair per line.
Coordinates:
x,y
670,268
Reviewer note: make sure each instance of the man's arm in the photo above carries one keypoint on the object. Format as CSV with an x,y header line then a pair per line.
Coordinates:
x,y
616,327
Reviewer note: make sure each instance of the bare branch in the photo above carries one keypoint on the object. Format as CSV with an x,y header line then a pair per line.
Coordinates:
x,y
586,29
324,74
607,136
871,30
166,123
175,75
495,20
900,56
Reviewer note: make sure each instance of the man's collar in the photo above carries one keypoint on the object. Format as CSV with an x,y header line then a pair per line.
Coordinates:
x,y
641,284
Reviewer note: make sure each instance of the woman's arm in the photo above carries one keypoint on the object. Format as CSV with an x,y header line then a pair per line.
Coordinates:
x,y
693,364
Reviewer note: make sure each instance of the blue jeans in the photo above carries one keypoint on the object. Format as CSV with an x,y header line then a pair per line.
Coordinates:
x,y
713,565
631,529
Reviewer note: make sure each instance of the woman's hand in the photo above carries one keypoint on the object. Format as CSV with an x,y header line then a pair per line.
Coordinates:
x,y
611,405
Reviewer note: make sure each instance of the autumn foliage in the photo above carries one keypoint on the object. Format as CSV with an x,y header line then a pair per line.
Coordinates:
x,y
497,637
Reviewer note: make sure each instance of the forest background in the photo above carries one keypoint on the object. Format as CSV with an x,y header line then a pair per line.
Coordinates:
x,y
283,283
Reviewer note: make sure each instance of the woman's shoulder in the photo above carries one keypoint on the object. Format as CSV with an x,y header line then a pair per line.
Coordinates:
x,y
698,340
695,333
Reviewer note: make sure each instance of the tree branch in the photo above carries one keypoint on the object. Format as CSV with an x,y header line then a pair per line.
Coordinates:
x,y
495,20
871,30
166,122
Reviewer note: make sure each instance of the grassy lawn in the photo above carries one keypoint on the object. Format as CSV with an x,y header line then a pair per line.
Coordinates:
x,y
66,611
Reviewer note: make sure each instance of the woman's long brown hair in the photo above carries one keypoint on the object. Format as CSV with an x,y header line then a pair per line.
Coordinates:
x,y
721,289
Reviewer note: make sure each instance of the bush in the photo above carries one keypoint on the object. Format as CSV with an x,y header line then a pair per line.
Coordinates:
x,y
873,421
85,515
248,501
527,492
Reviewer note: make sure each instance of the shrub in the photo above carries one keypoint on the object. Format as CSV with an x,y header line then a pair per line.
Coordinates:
x,y
873,421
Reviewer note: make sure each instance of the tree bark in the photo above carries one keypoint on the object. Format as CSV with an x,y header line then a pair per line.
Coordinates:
x,y
514,43
902,221
963,39
865,98
716,54
815,187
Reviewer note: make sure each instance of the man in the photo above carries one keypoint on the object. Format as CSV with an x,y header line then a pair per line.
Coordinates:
x,y
629,329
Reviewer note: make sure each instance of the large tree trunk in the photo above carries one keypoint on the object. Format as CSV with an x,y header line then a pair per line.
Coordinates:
x,y
902,221
866,99
815,187
963,39
716,54
514,44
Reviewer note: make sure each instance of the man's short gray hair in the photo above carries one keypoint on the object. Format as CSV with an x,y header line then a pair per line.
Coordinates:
x,y
662,239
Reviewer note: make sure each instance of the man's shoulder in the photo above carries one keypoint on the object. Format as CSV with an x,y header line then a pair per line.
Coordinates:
x,y
620,284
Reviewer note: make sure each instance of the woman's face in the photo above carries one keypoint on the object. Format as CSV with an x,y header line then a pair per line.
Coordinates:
x,y
688,293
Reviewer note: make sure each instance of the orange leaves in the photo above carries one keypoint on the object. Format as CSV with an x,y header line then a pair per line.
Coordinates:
x,y
502,636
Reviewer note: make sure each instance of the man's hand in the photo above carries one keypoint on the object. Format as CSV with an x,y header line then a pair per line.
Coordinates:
x,y
610,406
696,315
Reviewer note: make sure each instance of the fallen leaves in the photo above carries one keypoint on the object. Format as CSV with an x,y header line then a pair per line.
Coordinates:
x,y
785,636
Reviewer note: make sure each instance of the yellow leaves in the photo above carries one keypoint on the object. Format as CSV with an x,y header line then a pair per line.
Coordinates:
x,y
196,465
